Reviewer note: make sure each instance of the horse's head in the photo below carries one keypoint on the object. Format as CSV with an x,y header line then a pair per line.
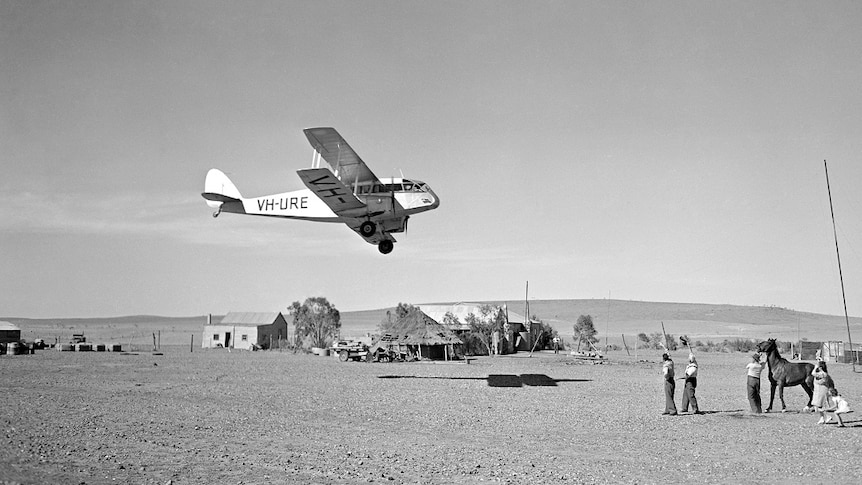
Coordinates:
x,y
766,346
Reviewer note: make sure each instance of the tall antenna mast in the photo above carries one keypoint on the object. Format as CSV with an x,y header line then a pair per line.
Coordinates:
x,y
840,274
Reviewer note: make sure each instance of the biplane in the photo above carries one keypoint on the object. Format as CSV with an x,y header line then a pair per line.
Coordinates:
x,y
347,191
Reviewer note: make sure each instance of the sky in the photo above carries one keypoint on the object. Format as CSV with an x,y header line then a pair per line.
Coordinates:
x,y
655,151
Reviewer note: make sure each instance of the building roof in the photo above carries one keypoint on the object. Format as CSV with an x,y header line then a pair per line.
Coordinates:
x,y
458,310
8,326
249,318
417,328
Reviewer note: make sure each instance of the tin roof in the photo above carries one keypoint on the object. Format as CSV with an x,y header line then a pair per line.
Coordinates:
x,y
249,318
8,326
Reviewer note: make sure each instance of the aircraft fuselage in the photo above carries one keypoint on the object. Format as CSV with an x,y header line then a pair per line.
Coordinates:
x,y
305,205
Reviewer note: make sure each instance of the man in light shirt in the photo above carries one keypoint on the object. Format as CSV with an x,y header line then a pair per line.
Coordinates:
x,y
669,385
755,367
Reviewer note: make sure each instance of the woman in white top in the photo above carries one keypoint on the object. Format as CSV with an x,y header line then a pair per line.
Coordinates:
x,y
755,367
688,396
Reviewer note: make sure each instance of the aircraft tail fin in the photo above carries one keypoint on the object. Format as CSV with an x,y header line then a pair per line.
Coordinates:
x,y
218,189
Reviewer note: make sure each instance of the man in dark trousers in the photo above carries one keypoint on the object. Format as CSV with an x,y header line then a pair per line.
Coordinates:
x,y
669,385
690,386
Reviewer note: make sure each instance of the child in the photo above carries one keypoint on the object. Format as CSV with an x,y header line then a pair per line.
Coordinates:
x,y
838,406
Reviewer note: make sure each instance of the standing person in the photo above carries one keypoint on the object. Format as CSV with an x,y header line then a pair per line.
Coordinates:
x,y
556,344
690,386
669,385
755,367
822,383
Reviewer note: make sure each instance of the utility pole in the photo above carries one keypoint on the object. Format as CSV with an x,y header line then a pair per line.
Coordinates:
x,y
840,274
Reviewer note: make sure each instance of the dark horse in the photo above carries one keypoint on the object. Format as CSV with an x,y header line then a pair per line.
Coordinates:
x,y
784,374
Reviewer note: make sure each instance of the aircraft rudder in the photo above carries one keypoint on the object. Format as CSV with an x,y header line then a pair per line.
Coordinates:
x,y
219,183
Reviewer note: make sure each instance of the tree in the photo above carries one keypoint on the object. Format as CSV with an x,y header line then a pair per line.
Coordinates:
x,y
451,320
404,309
644,339
657,341
316,322
585,331
483,326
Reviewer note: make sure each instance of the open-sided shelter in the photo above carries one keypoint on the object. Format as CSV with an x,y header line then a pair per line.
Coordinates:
x,y
245,330
424,337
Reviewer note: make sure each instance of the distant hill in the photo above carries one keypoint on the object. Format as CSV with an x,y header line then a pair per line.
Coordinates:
x,y
697,320
612,317
137,329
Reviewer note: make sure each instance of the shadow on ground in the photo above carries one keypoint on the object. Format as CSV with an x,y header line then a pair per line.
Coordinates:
x,y
501,380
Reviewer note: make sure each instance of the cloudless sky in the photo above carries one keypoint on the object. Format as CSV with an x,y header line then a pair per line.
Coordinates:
x,y
658,151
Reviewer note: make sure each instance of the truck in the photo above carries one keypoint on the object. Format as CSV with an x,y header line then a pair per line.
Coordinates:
x,y
349,350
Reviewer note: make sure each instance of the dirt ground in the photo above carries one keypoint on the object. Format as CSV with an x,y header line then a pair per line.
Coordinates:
x,y
269,417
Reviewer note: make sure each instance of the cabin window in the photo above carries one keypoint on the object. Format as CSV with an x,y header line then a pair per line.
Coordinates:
x,y
244,337
215,337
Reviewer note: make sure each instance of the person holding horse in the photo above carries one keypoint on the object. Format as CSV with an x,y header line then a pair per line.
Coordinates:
x,y
669,385
688,396
755,367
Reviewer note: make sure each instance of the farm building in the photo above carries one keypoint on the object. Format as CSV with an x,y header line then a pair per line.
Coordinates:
x,y
838,351
9,332
809,350
515,336
245,330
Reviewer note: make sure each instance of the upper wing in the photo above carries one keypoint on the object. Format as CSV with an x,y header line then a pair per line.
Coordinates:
x,y
345,163
330,190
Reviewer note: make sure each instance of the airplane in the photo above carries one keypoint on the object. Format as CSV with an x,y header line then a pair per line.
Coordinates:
x,y
349,193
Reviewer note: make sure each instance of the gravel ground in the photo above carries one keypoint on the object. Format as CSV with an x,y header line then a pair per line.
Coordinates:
x,y
270,417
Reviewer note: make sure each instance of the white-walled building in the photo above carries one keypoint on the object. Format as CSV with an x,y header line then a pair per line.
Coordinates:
x,y
242,330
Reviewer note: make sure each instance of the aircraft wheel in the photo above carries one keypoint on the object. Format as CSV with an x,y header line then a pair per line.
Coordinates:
x,y
367,229
385,246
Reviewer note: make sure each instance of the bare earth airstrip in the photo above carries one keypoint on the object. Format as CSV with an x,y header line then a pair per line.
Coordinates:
x,y
277,417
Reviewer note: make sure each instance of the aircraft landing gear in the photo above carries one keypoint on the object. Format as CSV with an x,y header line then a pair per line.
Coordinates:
x,y
216,213
367,229
385,246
